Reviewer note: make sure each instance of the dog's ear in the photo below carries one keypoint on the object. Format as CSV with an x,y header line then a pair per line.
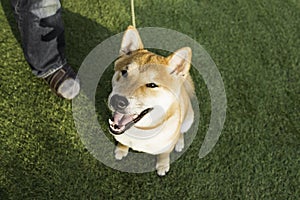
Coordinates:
x,y
179,62
131,41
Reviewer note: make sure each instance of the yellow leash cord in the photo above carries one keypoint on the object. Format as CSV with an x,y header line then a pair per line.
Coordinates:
x,y
132,13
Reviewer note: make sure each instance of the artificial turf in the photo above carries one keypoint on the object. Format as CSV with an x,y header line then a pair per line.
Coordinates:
x,y
255,45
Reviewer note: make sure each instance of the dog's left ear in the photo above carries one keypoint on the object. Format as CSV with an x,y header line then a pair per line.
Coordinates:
x,y
180,62
131,41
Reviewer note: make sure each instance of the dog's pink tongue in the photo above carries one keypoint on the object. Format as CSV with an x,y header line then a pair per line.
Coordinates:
x,y
126,119
122,119
117,117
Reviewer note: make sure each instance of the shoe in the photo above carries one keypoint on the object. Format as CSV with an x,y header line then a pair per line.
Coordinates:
x,y
64,82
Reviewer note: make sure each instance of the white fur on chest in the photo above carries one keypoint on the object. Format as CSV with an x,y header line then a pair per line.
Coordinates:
x,y
154,141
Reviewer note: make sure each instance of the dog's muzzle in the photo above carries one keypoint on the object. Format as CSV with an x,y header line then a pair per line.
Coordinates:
x,y
121,120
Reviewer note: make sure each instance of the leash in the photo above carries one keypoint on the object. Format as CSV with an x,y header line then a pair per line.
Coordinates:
x,y
132,13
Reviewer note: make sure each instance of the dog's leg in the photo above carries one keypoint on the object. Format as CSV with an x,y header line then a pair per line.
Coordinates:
x,y
163,163
186,125
188,120
180,143
121,151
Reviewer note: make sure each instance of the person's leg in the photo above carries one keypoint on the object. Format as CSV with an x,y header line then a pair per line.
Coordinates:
x,y
42,35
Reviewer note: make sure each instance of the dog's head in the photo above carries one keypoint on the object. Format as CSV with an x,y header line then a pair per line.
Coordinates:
x,y
145,83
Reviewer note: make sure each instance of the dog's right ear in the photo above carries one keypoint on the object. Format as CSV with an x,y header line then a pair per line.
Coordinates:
x,y
131,41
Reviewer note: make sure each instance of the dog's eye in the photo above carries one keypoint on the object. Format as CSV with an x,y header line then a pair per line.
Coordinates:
x,y
124,73
151,85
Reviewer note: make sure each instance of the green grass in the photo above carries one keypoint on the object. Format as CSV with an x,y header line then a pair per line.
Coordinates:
x,y
255,45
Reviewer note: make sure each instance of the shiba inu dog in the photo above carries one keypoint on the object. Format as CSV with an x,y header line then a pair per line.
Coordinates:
x,y
150,100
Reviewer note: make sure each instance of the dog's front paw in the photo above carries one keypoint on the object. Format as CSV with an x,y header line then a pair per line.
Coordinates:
x,y
119,154
162,169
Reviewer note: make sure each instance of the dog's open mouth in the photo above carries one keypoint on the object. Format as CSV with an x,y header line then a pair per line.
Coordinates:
x,y
120,123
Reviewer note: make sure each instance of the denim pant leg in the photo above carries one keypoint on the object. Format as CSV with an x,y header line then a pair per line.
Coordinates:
x,y
42,34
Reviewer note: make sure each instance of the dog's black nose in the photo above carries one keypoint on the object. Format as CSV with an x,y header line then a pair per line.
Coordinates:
x,y
119,103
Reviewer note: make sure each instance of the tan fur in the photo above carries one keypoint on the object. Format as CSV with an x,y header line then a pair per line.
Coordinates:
x,y
173,95
145,58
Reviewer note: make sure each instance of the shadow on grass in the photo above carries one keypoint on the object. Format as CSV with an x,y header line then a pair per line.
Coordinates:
x,y
82,35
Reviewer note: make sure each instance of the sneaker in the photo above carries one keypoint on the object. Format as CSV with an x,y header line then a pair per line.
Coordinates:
x,y
64,82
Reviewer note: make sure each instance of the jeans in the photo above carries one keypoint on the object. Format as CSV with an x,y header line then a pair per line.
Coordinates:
x,y
42,34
